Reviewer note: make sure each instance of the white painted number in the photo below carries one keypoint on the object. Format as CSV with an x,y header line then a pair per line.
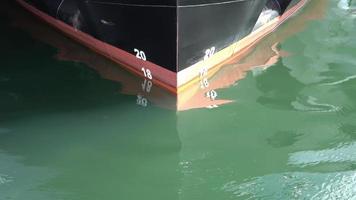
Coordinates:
x,y
204,83
147,73
140,54
203,72
141,101
209,52
147,86
212,94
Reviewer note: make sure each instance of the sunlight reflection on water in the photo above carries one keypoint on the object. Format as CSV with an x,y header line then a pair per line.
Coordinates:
x,y
297,185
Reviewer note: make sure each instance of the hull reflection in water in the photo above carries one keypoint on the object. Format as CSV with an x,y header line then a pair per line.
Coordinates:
x,y
203,94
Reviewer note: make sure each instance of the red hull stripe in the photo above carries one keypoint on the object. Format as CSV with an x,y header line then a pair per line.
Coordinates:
x,y
161,76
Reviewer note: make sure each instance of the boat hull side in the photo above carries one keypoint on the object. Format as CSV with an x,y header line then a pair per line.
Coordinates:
x,y
192,75
214,26
161,76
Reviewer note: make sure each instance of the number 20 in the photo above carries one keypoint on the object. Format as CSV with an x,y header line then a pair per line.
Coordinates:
x,y
140,54
209,52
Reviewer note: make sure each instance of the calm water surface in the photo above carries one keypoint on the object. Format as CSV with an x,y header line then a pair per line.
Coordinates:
x,y
71,128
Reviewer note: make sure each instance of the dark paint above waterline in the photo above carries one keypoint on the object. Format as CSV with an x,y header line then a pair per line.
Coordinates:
x,y
172,3
171,37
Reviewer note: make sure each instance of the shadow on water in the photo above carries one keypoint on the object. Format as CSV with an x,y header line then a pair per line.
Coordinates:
x,y
110,154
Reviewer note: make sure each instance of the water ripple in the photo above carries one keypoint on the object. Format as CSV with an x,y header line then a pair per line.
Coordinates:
x,y
346,5
340,81
342,153
312,105
297,185
5,179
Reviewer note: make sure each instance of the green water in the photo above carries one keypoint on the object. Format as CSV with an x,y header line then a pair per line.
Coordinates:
x,y
68,133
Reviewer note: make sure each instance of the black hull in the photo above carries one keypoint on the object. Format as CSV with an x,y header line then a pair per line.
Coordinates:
x,y
173,34
214,26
